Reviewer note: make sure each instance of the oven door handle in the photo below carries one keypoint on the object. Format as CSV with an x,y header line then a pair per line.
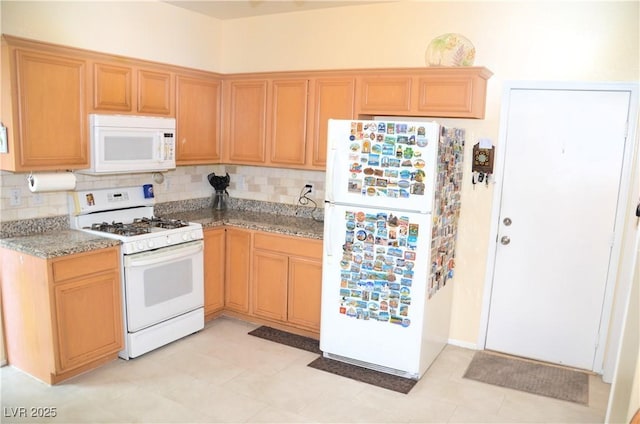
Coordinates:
x,y
172,253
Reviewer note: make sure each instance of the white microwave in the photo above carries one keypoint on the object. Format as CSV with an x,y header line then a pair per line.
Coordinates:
x,y
130,143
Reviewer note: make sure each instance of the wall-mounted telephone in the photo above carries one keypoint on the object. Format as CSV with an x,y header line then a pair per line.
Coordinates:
x,y
482,165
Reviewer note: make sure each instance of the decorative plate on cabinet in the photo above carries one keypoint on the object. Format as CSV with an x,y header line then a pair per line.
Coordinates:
x,y
450,50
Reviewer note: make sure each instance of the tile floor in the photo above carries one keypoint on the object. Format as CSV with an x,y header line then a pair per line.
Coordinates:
x,y
223,375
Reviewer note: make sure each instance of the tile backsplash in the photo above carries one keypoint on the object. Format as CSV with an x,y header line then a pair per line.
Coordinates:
x,y
274,185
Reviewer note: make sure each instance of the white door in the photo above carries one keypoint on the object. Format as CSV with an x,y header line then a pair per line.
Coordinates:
x,y
562,170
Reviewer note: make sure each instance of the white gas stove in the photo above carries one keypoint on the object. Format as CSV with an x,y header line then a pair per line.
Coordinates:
x,y
125,214
162,264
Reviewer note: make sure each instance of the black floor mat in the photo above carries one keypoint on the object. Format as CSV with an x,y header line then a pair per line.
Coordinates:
x,y
289,339
365,375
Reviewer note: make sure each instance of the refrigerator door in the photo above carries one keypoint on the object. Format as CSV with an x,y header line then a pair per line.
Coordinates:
x,y
374,288
387,164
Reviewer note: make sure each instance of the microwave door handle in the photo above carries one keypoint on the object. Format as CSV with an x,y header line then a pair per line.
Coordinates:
x,y
161,147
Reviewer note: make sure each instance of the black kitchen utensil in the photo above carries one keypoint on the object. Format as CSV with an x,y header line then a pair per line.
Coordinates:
x,y
219,183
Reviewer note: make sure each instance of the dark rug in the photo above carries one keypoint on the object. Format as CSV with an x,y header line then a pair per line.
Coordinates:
x,y
531,377
289,339
376,378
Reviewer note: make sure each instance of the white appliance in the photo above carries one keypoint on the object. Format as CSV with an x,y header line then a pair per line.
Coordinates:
x,y
391,209
162,265
129,143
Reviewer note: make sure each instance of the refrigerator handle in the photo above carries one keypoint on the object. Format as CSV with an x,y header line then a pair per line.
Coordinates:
x,y
331,164
328,240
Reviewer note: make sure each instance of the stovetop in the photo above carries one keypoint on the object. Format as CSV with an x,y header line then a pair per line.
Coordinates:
x,y
125,214
139,226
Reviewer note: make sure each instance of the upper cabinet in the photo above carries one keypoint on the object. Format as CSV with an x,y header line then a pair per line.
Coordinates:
x,y
245,121
276,119
43,108
331,98
288,129
123,88
198,99
431,92
281,120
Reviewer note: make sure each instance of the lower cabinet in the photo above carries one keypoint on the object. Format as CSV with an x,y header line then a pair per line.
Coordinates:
x,y
286,280
237,269
260,276
214,266
62,316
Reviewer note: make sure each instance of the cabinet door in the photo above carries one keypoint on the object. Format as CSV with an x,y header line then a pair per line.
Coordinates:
x,y
51,112
237,270
88,317
246,122
384,94
305,284
111,87
154,92
333,98
288,121
197,120
214,245
269,285
459,94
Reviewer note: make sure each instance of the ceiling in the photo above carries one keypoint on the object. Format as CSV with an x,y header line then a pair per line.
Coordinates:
x,y
233,9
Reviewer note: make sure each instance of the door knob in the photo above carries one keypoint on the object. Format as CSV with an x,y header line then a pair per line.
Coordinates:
x,y
505,240
506,221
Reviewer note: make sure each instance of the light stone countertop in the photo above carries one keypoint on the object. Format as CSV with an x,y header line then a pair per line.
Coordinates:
x,y
57,243
66,242
263,221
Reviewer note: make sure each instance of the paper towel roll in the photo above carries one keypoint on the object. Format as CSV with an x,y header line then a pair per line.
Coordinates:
x,y
60,181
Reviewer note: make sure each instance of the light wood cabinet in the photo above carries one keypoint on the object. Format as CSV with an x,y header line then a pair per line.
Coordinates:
x,y
378,94
237,269
269,284
287,279
282,121
121,88
214,271
112,88
331,98
433,92
198,110
245,121
62,316
305,287
265,122
43,108
288,129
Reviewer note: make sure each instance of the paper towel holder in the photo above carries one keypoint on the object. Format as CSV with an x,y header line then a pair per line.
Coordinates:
x,y
35,185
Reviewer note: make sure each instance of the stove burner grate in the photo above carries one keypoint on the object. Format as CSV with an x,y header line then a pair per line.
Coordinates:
x,y
165,223
118,228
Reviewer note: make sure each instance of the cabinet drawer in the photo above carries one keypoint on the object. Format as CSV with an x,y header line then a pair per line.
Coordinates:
x,y
85,264
291,245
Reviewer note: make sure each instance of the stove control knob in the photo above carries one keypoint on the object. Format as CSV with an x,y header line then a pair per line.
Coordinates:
x,y
168,240
150,243
194,235
185,237
140,246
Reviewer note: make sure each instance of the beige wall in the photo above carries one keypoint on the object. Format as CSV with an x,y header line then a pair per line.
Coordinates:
x,y
556,40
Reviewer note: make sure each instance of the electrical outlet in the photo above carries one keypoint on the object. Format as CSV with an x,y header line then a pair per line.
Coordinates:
x,y
37,199
15,197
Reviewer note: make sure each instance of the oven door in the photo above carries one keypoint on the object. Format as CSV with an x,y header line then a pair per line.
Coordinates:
x,y
163,283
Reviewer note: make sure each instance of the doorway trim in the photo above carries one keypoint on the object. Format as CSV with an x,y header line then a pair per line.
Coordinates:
x,y
610,347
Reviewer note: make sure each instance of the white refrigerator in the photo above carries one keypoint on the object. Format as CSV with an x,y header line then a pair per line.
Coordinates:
x,y
391,210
